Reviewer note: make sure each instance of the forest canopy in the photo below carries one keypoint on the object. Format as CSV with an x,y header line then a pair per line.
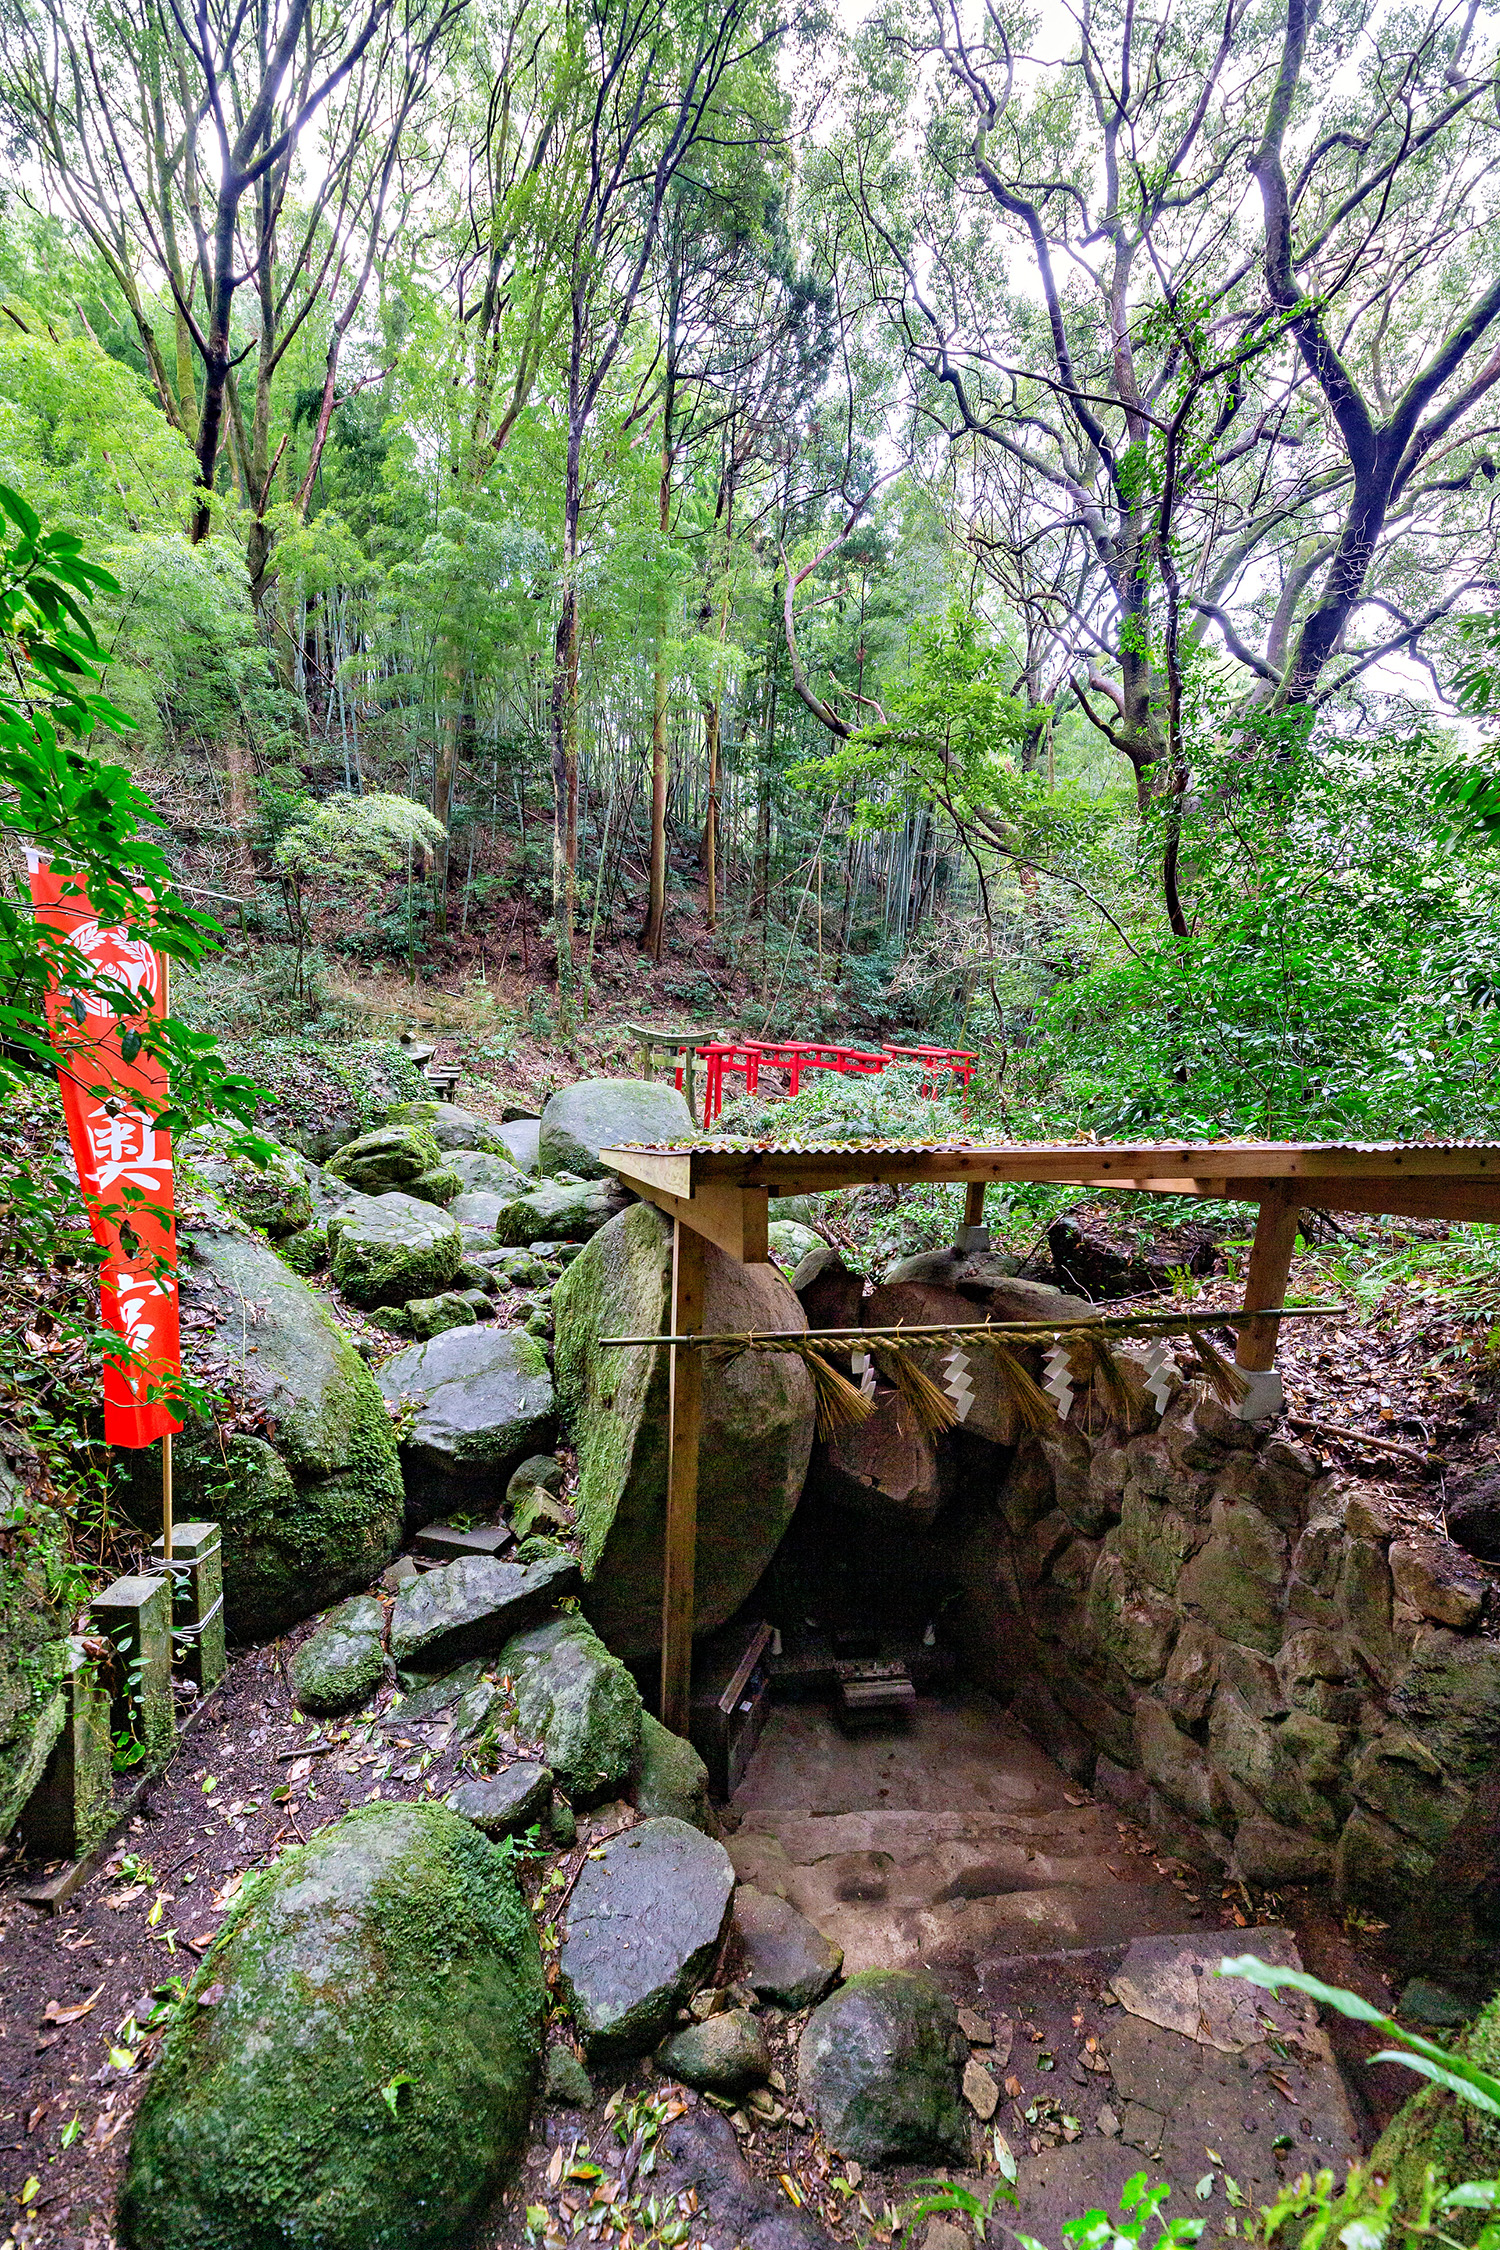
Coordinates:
x,y
948,520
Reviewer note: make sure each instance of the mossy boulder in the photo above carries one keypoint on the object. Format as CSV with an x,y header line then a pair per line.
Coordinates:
x,y
313,1509
880,2064
1459,2141
757,1427
33,1662
354,2065
601,1113
484,1172
728,2054
426,1317
791,1242
671,1779
391,1157
337,1666
579,1702
474,1403
275,1195
387,1249
559,1211
451,1126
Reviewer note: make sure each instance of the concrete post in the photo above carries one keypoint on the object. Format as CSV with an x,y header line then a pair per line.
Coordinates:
x,y
198,1601
135,1616
69,1809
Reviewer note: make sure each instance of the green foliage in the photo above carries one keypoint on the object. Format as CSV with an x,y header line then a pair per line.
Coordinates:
x,y
1341,974
82,435
90,817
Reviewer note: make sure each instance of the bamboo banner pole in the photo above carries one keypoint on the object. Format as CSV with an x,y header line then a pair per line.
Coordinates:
x,y
166,1438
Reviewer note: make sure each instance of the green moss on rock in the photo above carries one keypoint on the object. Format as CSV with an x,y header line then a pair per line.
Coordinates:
x,y
390,1157
388,1249
313,1510
756,1437
579,1702
275,1195
364,2078
1455,2138
672,1778
33,1658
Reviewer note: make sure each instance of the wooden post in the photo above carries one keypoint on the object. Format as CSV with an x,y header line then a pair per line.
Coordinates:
x,y
1270,1263
974,1204
681,1541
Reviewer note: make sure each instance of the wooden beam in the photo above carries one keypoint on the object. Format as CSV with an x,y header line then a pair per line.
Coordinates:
x,y
671,1169
734,1218
1406,1198
1108,1164
1270,1263
1420,1180
680,1545
974,1204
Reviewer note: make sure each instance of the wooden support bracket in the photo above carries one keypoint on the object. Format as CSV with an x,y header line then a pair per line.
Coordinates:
x,y
1270,1263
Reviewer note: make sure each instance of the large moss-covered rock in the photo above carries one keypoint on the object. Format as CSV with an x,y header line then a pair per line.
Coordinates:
x,y
484,1172
1459,2141
395,1156
313,1509
757,1427
354,2065
607,1113
559,1211
451,1126
475,1403
472,1606
579,1702
879,2065
33,1657
275,1195
387,1249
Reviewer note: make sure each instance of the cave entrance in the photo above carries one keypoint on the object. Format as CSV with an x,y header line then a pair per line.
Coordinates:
x,y
872,1782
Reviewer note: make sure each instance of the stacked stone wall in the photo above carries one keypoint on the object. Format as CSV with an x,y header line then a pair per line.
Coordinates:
x,y
1281,1672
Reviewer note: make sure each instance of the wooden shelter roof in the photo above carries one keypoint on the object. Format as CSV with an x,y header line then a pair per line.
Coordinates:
x,y
719,1191
724,1180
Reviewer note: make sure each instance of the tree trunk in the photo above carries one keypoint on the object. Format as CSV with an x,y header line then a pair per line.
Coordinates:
x,y
656,909
565,744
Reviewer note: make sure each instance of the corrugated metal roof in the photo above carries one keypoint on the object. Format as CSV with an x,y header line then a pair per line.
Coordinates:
x,y
952,1146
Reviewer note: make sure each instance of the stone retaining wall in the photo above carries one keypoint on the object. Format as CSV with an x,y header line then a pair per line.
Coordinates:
x,y
1258,1660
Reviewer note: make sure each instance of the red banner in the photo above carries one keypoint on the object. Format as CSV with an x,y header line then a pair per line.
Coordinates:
x,y
124,1160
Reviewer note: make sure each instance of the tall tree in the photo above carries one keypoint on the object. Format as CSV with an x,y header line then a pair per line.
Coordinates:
x,y
1243,430
662,85
176,140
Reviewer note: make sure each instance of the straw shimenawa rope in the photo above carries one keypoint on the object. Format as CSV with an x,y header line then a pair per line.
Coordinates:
x,y
1117,1382
899,1354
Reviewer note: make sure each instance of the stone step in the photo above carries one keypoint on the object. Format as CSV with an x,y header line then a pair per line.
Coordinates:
x,y
952,1840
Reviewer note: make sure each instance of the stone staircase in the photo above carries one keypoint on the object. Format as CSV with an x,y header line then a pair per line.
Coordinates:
x,y
952,1843
945,1840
